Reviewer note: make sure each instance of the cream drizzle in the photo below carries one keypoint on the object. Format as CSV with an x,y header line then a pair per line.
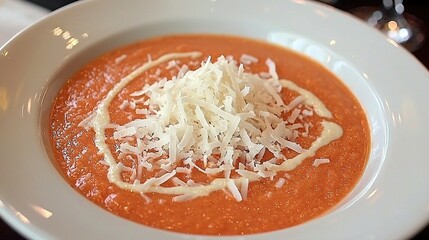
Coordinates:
x,y
331,131
102,118
310,98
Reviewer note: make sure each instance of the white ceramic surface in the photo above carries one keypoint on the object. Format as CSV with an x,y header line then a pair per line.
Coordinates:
x,y
391,200
15,15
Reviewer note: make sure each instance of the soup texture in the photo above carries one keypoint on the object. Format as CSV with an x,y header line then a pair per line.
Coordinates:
x,y
209,134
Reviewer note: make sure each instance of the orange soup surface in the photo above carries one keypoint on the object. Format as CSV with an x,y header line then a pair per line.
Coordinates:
x,y
100,153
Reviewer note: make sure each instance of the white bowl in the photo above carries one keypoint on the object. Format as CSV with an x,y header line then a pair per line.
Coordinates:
x,y
389,202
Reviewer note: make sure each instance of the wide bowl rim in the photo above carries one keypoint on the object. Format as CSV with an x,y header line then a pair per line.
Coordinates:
x,y
396,115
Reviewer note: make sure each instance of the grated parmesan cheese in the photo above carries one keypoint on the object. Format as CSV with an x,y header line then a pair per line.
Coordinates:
x,y
146,198
318,161
280,183
215,110
234,190
248,59
120,58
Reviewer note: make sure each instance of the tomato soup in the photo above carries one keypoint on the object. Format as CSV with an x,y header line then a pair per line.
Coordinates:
x,y
209,134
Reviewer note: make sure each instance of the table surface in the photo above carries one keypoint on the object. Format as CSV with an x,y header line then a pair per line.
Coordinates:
x,y
420,9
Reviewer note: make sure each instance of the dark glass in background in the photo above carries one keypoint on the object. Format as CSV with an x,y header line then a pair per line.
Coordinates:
x,y
51,4
391,19
418,8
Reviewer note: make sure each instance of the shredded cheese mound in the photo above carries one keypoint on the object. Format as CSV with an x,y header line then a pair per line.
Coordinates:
x,y
218,120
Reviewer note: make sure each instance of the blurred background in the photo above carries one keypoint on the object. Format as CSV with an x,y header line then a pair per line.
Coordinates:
x,y
15,15
417,8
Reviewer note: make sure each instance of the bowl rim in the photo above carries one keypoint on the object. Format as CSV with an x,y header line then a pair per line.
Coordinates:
x,y
392,109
